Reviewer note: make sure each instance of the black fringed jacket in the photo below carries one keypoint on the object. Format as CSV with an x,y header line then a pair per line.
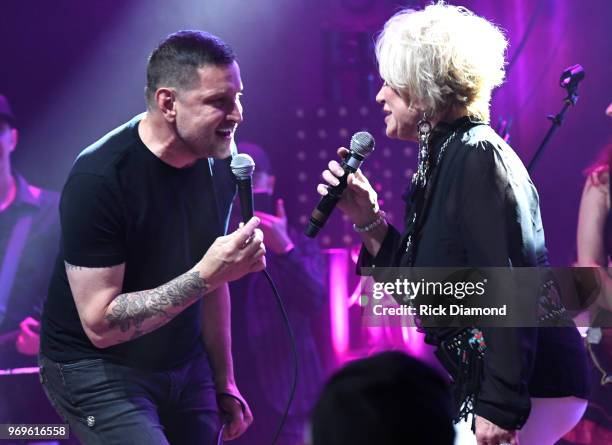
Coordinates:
x,y
484,212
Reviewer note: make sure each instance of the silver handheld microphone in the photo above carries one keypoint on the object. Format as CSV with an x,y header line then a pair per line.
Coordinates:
x,y
243,166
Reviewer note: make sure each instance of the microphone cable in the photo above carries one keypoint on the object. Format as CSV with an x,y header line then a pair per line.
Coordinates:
x,y
242,167
291,335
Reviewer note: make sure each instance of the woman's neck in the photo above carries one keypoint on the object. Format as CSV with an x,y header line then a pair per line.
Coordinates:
x,y
453,114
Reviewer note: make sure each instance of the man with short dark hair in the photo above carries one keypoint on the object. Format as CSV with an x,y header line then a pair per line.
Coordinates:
x,y
136,330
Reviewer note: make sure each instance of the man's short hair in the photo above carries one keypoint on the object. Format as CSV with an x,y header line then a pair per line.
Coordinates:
x,y
174,63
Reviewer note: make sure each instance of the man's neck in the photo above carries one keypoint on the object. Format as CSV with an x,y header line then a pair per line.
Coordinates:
x,y
163,141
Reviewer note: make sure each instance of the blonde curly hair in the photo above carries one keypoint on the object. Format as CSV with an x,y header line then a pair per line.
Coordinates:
x,y
441,57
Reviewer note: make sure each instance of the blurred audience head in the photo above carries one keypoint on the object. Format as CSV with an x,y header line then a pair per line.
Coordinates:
x,y
387,399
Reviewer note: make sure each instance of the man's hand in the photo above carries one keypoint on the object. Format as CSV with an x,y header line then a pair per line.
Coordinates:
x,y
28,341
487,433
274,228
234,255
235,420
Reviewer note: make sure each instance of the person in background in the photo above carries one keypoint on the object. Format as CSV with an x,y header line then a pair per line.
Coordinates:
x,y
29,240
594,243
387,399
263,357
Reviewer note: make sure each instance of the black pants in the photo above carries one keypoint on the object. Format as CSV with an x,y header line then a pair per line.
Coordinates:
x,y
107,403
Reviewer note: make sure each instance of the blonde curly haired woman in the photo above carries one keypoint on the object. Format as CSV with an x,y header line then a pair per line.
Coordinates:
x,y
472,203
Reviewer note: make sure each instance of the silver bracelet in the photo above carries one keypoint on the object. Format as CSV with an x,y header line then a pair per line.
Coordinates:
x,y
369,227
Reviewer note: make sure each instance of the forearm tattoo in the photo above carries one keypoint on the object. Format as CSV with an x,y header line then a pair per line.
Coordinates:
x,y
132,310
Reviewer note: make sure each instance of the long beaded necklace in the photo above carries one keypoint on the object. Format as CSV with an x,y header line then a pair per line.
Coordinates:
x,y
421,176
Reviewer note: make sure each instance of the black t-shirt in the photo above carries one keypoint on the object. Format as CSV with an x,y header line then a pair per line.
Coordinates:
x,y
122,204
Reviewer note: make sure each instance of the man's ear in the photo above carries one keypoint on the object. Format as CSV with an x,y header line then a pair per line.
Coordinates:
x,y
165,98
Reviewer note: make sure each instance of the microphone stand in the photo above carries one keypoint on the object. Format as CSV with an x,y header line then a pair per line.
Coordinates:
x,y
569,80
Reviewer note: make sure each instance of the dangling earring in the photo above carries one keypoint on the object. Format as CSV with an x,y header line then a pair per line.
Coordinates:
x,y
424,130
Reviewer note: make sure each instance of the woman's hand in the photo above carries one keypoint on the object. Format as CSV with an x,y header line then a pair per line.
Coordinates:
x,y
359,200
487,433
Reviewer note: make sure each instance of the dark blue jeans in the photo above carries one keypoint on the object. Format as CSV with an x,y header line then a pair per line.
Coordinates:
x,y
107,403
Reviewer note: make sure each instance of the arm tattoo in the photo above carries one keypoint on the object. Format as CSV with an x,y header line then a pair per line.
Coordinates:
x,y
132,310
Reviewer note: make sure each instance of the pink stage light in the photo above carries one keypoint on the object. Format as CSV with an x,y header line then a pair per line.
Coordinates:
x,y
338,300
